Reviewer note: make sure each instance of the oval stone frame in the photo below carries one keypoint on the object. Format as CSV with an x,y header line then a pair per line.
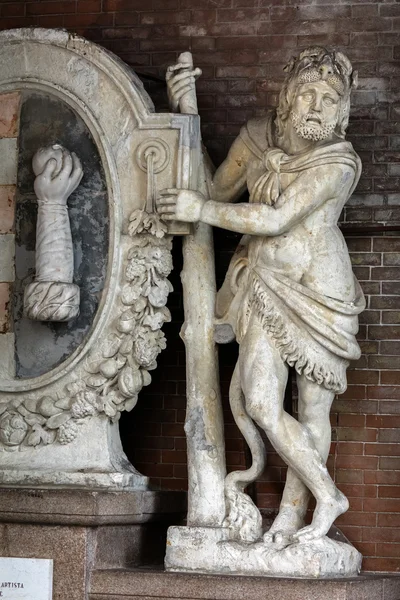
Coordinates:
x,y
61,428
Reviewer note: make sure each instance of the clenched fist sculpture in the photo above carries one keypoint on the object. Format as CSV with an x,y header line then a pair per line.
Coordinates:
x,y
53,296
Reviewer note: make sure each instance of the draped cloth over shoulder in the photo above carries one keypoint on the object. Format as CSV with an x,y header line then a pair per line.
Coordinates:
x,y
314,334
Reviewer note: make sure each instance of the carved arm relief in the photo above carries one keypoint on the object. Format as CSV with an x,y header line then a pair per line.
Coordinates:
x,y
53,296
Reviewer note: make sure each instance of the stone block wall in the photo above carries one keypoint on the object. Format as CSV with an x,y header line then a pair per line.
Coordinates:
x,y
242,47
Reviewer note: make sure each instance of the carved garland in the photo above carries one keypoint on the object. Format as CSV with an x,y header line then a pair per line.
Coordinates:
x,y
118,370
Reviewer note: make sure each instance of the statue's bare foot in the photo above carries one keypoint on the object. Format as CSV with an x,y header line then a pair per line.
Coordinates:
x,y
324,515
288,521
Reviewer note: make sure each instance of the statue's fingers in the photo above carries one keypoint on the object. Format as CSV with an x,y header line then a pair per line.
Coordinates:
x,y
185,90
178,67
169,217
196,72
166,201
49,169
67,164
184,75
77,171
169,192
178,85
167,211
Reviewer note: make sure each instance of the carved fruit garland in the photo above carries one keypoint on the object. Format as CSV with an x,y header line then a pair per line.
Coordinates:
x,y
118,370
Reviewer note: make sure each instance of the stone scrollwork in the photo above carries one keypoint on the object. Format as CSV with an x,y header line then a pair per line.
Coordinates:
x,y
119,368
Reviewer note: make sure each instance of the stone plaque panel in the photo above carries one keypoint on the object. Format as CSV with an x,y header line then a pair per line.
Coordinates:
x,y
26,578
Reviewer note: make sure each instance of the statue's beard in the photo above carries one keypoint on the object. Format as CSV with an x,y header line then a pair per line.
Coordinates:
x,y
311,129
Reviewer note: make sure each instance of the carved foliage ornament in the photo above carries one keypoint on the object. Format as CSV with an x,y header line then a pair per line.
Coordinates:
x,y
119,368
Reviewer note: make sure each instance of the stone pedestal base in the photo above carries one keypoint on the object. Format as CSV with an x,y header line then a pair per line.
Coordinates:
x,y
83,531
98,465
209,550
140,584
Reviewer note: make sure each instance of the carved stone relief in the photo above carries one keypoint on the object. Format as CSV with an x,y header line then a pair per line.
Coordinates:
x,y
60,428
53,296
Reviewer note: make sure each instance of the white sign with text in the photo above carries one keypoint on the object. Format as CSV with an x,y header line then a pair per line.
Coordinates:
x,y
26,579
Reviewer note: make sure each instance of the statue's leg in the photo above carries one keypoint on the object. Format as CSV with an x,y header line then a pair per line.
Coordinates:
x,y
261,372
314,408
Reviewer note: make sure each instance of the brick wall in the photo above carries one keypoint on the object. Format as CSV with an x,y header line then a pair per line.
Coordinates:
x,y
242,46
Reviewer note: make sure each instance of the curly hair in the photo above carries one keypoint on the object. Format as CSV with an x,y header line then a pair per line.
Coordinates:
x,y
318,64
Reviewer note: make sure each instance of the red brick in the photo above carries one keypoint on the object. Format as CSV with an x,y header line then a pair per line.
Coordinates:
x,y
384,362
384,332
88,20
391,287
357,462
389,463
382,449
381,564
361,376
351,476
13,9
162,17
173,456
5,316
380,534
358,491
60,7
391,317
9,109
384,392
382,477
357,434
388,550
350,448
390,378
382,421
388,520
229,15
88,6
389,491
389,435
385,302
7,208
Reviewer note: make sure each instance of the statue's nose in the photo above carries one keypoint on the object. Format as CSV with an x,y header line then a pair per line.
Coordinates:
x,y
317,104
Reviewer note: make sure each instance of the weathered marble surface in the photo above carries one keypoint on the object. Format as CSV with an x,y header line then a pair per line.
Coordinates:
x,y
60,428
209,549
291,300
53,296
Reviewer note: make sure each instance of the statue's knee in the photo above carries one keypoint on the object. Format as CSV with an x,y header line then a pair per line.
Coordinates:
x,y
262,414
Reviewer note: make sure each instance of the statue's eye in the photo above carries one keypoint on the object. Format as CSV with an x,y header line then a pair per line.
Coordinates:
x,y
308,97
328,101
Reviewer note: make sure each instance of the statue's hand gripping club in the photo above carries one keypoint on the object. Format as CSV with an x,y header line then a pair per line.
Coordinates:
x,y
181,80
180,205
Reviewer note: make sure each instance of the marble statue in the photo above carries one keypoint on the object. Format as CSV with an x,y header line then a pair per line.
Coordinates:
x,y
291,300
53,296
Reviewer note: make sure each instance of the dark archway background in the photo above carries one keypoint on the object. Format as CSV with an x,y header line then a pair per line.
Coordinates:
x,y
242,47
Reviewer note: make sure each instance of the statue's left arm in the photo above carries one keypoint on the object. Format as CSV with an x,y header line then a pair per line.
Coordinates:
x,y
312,188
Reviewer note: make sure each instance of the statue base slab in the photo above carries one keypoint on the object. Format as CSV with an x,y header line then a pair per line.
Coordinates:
x,y
210,550
84,531
127,481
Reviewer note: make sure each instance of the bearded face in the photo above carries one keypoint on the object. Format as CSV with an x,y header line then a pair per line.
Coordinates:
x,y
311,128
315,110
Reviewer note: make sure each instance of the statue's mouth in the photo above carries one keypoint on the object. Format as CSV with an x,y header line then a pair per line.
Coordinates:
x,y
313,119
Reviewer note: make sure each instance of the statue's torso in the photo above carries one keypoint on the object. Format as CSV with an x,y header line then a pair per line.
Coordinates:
x,y
313,252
